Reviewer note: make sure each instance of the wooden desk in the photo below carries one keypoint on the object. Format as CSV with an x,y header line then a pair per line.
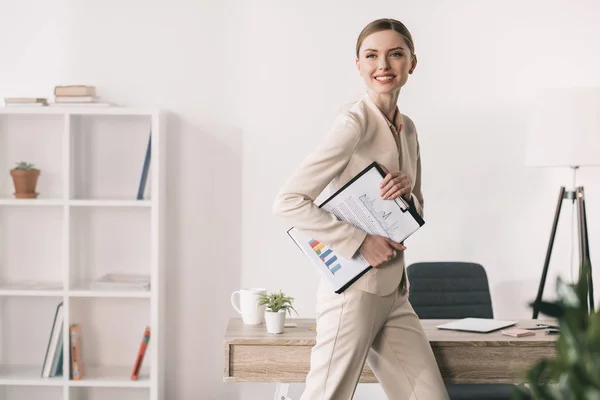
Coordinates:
x,y
253,355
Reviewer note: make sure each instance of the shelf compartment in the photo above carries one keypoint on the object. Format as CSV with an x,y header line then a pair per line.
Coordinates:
x,y
35,139
25,329
108,241
28,254
111,331
108,156
26,375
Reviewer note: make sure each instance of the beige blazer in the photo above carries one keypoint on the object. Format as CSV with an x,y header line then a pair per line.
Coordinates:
x,y
358,137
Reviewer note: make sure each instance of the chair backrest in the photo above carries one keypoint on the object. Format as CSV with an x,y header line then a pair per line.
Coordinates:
x,y
449,290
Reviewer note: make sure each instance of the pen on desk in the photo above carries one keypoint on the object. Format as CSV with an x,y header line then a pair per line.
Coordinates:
x,y
542,326
548,326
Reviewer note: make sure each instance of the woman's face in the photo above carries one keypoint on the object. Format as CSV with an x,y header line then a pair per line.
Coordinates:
x,y
385,61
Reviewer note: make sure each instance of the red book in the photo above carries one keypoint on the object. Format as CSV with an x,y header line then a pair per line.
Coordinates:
x,y
76,353
140,356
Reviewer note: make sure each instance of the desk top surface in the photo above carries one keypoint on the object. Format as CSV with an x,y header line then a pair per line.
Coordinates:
x,y
304,334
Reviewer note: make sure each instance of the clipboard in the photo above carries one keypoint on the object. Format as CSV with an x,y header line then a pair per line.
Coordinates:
x,y
358,201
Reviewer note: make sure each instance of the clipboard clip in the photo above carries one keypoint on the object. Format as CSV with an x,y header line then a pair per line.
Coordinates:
x,y
401,203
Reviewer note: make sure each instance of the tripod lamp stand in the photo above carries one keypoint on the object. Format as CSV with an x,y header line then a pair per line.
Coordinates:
x,y
566,134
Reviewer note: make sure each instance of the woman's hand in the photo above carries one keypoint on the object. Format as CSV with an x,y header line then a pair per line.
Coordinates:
x,y
379,249
394,185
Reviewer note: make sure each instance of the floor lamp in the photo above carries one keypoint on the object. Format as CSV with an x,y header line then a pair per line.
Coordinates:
x,y
565,133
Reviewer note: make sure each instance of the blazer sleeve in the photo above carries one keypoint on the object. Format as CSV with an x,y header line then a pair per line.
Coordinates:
x,y
295,200
417,193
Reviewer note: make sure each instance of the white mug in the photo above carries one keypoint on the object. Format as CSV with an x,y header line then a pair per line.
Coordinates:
x,y
248,307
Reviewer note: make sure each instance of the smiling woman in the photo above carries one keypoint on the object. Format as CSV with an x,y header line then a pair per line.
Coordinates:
x,y
371,321
385,56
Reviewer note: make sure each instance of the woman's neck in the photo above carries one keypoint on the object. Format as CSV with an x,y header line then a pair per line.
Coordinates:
x,y
387,103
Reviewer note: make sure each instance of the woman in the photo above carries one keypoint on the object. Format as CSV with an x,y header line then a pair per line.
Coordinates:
x,y
372,320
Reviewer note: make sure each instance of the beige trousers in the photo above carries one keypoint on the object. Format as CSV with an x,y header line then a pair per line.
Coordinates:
x,y
356,326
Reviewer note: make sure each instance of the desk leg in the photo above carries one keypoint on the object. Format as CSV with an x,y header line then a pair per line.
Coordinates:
x,y
281,391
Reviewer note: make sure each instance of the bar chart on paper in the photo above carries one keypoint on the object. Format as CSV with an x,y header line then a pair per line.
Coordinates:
x,y
338,271
326,255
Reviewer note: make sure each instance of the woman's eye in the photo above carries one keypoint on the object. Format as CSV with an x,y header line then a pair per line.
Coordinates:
x,y
397,54
370,55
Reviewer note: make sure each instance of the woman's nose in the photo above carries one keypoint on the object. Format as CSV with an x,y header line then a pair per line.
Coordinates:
x,y
383,63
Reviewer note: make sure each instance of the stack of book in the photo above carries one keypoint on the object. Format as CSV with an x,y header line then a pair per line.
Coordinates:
x,y
25,101
76,95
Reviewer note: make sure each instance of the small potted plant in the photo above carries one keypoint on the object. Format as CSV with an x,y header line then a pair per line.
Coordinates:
x,y
25,177
277,304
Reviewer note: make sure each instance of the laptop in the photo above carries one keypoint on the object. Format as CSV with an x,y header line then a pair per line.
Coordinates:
x,y
480,325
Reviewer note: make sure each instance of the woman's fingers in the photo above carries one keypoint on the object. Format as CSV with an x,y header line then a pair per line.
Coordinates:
x,y
392,194
396,245
392,182
395,188
387,181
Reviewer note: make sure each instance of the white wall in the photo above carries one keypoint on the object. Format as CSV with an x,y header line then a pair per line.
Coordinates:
x,y
252,88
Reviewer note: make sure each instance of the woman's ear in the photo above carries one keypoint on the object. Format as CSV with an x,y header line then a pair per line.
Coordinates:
x,y
414,64
358,67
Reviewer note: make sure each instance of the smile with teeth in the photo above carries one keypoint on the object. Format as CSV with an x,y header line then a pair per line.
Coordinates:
x,y
386,78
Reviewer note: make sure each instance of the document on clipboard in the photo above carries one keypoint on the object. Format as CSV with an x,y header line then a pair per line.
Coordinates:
x,y
358,202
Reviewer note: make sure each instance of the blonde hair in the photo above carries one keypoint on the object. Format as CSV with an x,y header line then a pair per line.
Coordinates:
x,y
384,24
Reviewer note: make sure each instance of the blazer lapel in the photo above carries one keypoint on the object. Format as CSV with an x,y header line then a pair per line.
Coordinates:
x,y
390,157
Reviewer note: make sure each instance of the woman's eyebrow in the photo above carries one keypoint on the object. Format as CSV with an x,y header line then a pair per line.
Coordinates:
x,y
395,48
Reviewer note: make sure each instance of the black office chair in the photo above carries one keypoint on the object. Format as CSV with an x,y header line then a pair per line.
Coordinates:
x,y
455,290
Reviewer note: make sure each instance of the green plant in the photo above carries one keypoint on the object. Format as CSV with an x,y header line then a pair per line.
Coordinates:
x,y
25,166
277,301
574,374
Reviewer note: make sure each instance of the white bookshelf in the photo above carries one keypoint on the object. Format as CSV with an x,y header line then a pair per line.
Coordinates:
x,y
86,222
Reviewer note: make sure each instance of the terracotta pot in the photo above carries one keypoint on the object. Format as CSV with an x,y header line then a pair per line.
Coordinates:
x,y
25,183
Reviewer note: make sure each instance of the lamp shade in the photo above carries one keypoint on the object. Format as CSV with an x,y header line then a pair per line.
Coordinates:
x,y
565,128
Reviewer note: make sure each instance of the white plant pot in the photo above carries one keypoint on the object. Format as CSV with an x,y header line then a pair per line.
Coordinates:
x,y
275,321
